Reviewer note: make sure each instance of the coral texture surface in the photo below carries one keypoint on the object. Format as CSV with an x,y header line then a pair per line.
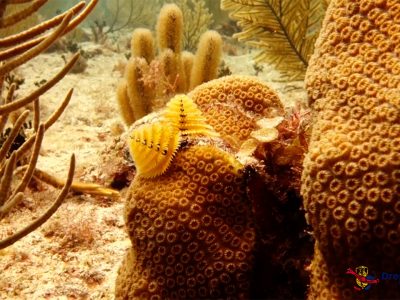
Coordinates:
x,y
351,174
206,219
191,230
192,225
234,104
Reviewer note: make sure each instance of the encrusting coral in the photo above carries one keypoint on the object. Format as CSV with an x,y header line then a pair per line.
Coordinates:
x,y
195,213
351,178
150,80
251,120
193,235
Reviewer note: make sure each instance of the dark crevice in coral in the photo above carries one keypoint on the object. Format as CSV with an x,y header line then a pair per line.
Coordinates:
x,y
121,180
284,249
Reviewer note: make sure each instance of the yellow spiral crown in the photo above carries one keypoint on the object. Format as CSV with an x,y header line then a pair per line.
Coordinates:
x,y
154,145
184,114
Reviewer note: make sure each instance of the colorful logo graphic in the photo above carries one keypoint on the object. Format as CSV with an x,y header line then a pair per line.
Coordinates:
x,y
363,280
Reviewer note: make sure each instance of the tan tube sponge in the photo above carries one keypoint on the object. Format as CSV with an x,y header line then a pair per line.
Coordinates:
x,y
170,28
124,102
139,95
142,44
207,58
153,76
187,63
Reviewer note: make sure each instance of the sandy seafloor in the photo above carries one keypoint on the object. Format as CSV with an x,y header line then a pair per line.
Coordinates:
x,y
76,254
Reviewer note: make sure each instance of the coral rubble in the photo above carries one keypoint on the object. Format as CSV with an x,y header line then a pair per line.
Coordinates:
x,y
350,182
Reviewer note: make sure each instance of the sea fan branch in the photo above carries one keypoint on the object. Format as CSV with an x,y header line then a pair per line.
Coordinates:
x,y
284,30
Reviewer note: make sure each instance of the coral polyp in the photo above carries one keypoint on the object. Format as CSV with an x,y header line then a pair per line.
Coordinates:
x,y
234,104
192,229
